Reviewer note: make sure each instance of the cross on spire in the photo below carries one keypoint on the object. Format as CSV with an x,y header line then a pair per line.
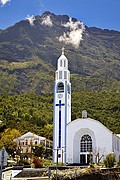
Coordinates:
x,y
63,50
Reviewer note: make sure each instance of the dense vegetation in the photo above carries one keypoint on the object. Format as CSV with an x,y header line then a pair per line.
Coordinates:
x,y
26,113
102,106
31,112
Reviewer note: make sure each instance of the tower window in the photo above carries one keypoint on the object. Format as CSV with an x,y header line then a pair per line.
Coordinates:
x,y
64,63
60,74
60,63
65,74
60,87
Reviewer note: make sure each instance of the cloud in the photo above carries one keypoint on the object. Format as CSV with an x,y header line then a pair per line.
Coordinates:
x,y
74,36
47,21
31,19
41,7
3,2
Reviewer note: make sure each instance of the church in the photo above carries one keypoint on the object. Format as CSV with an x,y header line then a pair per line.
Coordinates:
x,y
83,140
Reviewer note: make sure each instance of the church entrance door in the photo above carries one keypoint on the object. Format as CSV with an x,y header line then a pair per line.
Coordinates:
x,y
83,159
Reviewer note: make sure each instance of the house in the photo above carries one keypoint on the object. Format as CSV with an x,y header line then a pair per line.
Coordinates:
x,y
27,141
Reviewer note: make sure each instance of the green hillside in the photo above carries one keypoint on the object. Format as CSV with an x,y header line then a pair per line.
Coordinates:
x,y
34,113
28,57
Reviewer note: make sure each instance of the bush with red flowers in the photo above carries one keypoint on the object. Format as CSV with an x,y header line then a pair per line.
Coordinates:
x,y
38,163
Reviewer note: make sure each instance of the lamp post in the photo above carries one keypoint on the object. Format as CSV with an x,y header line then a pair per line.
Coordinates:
x,y
63,151
57,162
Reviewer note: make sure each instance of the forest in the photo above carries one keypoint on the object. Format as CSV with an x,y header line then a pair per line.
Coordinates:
x,y
32,112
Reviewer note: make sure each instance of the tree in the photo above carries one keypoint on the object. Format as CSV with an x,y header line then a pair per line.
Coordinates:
x,y
38,150
7,138
47,131
99,154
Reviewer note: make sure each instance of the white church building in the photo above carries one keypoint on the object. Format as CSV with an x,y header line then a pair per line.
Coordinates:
x,y
83,140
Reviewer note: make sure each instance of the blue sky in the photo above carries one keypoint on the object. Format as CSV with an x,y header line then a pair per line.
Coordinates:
x,y
103,14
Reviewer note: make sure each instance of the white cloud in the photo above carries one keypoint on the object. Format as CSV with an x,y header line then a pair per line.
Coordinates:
x,y
3,2
41,7
47,21
31,19
74,36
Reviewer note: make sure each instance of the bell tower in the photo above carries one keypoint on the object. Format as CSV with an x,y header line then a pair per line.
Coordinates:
x,y
62,108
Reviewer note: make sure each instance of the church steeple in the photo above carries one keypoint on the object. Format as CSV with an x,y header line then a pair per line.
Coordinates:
x,y
62,72
62,108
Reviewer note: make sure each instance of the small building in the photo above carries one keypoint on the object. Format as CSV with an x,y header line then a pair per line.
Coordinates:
x,y
28,140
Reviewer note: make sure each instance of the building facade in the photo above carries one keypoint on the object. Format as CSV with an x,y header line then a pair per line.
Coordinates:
x,y
90,141
83,140
26,142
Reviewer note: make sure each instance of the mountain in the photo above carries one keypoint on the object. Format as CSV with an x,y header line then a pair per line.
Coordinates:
x,y
29,53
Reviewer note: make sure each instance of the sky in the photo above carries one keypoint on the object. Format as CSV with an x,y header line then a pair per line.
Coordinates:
x,y
103,14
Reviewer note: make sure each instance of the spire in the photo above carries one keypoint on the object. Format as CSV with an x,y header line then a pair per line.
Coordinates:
x,y
63,49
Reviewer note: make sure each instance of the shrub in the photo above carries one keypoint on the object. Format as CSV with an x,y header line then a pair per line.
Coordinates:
x,y
48,163
109,160
23,162
119,161
38,163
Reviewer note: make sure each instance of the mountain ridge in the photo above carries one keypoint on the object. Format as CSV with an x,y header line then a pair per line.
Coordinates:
x,y
31,51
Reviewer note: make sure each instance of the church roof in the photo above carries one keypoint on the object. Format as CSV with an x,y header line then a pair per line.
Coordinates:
x,y
62,57
90,120
31,135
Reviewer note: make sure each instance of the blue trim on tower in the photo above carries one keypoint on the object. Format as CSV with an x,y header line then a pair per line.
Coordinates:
x,y
60,104
59,145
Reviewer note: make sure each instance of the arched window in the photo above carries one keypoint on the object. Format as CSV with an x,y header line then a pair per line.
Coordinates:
x,y
65,74
60,74
60,87
64,63
60,63
86,143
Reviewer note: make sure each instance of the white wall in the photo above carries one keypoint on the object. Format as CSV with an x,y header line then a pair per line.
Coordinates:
x,y
101,138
